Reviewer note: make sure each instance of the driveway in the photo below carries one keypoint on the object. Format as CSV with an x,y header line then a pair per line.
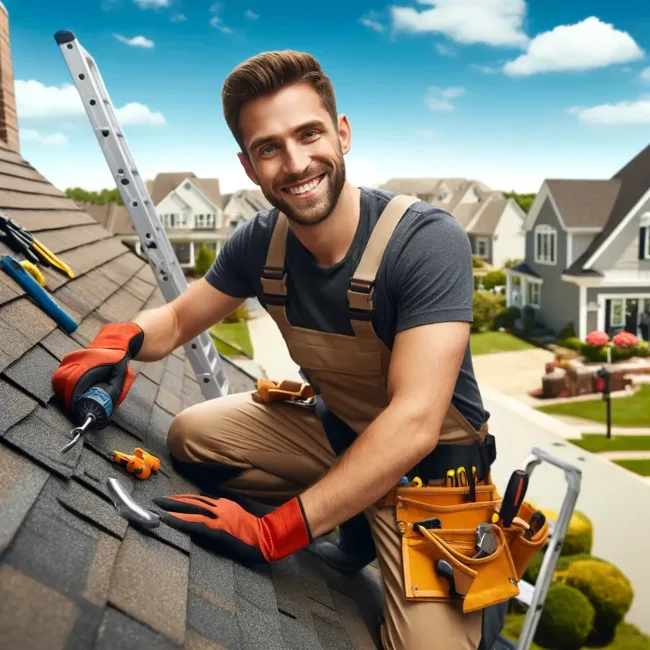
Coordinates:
x,y
513,373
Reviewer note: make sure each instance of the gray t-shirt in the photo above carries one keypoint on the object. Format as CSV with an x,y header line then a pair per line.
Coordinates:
x,y
425,277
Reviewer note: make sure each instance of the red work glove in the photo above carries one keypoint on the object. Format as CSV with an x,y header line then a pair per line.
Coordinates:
x,y
105,361
227,528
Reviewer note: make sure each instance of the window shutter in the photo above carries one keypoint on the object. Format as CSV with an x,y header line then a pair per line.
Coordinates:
x,y
642,237
608,315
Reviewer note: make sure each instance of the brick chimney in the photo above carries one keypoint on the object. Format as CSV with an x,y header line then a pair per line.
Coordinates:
x,y
8,117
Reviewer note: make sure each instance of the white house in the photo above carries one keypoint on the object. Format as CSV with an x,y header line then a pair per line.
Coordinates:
x,y
492,222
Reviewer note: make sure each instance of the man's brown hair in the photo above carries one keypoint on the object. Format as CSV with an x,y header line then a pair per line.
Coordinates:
x,y
267,73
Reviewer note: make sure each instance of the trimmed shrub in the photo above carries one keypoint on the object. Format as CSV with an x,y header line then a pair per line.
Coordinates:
x,y
625,340
563,563
608,590
595,353
571,342
567,618
486,307
240,314
580,534
507,318
494,279
204,260
568,331
642,348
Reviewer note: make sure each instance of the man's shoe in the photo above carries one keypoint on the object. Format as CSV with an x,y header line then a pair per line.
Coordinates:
x,y
352,551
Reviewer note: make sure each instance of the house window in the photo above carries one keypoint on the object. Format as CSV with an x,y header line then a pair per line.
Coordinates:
x,y
618,313
182,250
534,294
482,246
187,186
545,245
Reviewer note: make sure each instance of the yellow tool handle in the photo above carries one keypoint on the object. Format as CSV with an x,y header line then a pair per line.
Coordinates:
x,y
48,255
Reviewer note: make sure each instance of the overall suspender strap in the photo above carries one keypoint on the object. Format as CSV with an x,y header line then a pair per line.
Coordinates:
x,y
274,276
362,284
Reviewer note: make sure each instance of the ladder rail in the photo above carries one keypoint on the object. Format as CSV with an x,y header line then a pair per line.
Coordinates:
x,y
201,350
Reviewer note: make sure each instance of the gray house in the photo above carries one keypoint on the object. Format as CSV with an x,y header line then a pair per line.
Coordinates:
x,y
587,255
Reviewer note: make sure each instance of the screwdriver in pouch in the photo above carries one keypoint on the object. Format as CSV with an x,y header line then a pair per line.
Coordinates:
x,y
535,524
513,497
94,408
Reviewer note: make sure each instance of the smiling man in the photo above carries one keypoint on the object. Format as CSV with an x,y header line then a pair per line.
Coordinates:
x,y
372,293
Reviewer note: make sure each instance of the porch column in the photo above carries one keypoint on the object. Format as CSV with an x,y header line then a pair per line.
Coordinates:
x,y
508,290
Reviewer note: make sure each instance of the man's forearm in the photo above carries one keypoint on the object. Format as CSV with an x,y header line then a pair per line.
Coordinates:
x,y
160,333
390,447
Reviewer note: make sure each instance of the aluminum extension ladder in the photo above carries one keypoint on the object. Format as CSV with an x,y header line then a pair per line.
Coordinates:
x,y
201,350
535,596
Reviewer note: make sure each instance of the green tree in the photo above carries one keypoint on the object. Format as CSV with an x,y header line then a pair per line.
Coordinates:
x,y
204,260
494,278
98,198
523,200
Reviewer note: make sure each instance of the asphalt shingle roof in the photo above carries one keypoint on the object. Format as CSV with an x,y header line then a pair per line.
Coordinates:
x,y
73,573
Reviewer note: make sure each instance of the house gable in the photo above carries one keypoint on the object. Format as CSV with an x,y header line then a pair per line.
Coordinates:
x,y
546,241
541,198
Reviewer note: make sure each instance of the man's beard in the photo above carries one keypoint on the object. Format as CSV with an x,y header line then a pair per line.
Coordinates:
x,y
318,209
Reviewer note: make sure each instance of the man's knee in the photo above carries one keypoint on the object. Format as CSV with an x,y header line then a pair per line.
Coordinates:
x,y
179,434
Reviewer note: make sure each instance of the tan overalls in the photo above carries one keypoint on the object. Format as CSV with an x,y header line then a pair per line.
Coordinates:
x,y
283,449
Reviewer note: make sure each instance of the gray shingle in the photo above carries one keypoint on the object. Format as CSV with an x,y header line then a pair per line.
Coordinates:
x,y
27,318
255,585
353,621
33,616
76,306
58,343
93,469
92,507
33,372
134,412
54,546
12,343
212,577
332,637
298,637
42,443
171,402
213,623
15,405
149,584
120,631
154,370
89,328
258,628
176,364
20,485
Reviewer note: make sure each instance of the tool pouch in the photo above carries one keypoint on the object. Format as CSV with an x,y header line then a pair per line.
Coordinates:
x,y
522,549
479,582
286,391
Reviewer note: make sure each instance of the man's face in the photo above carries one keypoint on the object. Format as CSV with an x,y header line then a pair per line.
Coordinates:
x,y
296,152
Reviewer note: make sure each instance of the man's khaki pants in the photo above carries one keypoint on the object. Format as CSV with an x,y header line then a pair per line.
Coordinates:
x,y
282,450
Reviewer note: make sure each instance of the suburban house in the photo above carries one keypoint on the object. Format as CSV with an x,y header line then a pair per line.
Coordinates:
x,y
74,572
587,255
193,212
491,221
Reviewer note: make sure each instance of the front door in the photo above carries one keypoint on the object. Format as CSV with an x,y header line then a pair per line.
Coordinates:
x,y
622,314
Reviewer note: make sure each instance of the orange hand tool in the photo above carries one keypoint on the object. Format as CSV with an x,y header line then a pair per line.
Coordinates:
x,y
149,459
132,464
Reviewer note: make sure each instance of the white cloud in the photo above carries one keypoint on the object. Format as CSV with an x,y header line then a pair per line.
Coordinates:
x,y
136,41
31,135
216,8
487,69
155,4
135,113
438,99
645,75
34,99
586,45
493,22
371,20
215,21
444,50
623,113
251,14
178,18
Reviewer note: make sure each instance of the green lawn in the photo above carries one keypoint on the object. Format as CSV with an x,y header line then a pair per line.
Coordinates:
x,y
633,411
597,442
638,466
487,342
234,333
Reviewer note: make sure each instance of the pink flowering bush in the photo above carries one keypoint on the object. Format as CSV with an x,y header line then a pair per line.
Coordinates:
x,y
625,340
597,338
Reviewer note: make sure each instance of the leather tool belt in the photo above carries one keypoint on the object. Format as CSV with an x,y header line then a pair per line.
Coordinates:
x,y
294,392
439,541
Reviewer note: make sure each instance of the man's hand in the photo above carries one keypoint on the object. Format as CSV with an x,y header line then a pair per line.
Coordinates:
x,y
227,528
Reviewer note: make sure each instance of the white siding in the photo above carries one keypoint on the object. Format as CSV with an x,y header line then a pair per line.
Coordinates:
x,y
509,240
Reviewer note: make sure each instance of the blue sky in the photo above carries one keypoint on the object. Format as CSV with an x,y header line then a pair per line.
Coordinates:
x,y
505,91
